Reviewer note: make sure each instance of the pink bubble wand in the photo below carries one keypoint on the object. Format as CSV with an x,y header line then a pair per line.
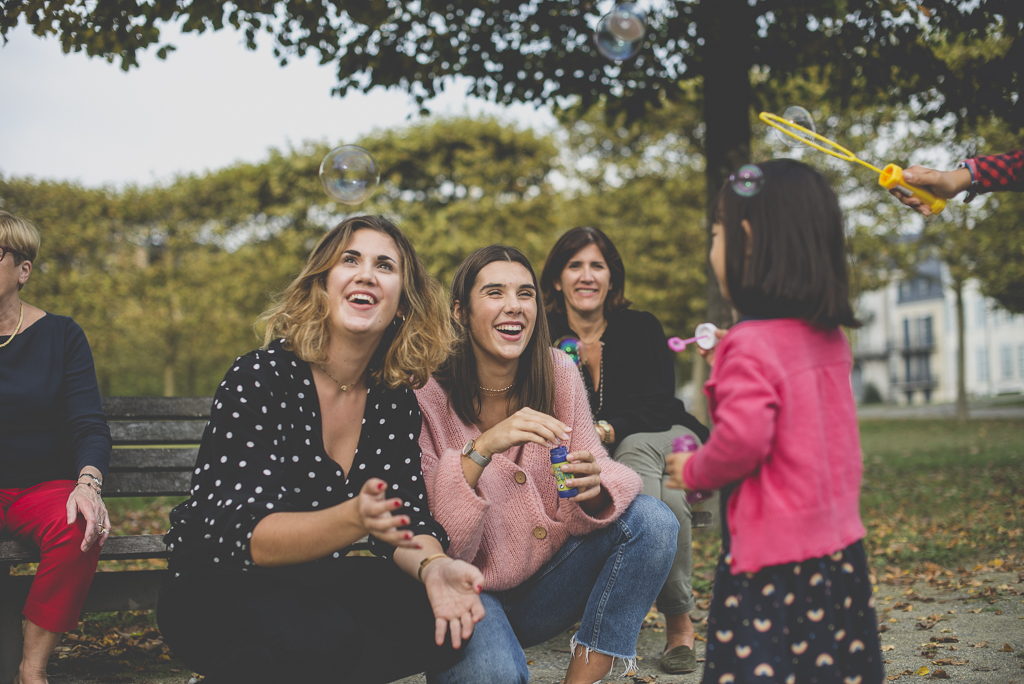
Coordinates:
x,y
704,337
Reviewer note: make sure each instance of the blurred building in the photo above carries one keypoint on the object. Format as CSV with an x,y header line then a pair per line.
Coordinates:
x,y
906,352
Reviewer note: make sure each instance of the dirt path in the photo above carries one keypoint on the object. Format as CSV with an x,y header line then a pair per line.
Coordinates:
x,y
973,633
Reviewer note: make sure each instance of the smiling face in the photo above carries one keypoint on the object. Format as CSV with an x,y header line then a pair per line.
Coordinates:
x,y
585,281
364,288
502,311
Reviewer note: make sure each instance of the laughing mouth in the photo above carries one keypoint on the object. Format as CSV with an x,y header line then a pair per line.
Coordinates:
x,y
510,328
360,298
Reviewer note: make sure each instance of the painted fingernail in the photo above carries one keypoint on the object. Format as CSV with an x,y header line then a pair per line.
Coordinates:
x,y
478,588
408,535
397,503
380,486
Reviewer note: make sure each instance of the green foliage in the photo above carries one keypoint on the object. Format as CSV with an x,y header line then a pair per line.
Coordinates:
x,y
167,281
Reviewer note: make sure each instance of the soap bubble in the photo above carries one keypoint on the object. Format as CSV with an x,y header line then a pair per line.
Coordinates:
x,y
747,181
571,346
800,117
349,174
620,33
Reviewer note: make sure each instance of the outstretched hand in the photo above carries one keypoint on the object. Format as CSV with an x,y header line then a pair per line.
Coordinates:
x,y
944,184
453,588
378,518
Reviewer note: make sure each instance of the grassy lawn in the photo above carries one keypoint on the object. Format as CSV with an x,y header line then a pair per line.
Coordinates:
x,y
936,495
934,492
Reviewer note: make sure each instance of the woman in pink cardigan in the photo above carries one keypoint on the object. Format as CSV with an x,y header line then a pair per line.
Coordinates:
x,y
491,415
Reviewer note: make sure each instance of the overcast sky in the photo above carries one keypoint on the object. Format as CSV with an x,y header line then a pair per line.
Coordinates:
x,y
211,103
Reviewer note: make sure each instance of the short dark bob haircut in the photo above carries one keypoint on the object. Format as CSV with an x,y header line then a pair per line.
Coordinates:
x,y
535,377
565,249
796,266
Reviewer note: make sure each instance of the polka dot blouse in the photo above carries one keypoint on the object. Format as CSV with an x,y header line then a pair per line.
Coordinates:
x,y
263,452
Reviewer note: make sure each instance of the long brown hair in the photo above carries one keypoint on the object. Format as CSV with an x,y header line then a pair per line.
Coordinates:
x,y
411,349
571,242
535,378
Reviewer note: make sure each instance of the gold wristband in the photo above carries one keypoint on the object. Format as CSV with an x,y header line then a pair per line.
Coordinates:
x,y
427,561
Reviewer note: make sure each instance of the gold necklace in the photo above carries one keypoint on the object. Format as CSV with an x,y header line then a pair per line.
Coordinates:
x,y
344,388
497,391
21,317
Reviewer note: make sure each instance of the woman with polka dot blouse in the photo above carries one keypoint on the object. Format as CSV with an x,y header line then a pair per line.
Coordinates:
x,y
491,414
311,446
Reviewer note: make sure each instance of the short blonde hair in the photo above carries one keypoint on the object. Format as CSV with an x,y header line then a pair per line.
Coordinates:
x,y
412,348
20,235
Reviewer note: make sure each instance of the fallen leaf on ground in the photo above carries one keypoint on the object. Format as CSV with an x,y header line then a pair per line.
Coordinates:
x,y
944,640
922,671
1007,648
939,674
949,661
981,644
888,647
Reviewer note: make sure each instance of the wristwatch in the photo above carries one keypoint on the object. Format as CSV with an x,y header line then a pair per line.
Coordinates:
x,y
473,455
604,431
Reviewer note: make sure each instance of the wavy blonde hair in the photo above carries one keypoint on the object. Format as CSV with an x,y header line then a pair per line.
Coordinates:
x,y
410,350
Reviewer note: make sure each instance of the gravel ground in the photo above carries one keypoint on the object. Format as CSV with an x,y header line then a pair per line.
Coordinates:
x,y
974,635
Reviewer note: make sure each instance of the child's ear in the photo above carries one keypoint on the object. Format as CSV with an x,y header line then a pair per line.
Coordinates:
x,y
750,238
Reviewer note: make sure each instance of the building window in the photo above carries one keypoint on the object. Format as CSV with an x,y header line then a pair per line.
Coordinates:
x,y
1006,362
983,364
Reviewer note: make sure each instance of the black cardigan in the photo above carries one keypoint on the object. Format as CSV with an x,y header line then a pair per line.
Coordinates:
x,y
638,378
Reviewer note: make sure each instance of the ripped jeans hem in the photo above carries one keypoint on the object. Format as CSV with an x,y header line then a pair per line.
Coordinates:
x,y
629,662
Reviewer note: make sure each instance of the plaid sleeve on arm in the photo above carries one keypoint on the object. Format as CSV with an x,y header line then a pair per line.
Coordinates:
x,y
1000,172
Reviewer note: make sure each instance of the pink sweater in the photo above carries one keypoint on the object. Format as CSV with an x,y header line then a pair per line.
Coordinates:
x,y
785,426
514,521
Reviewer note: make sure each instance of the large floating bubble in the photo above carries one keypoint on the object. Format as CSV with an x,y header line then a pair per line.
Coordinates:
x,y
795,137
571,346
620,33
747,181
349,174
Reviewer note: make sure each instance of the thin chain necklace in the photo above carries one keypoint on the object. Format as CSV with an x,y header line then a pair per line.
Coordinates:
x,y
21,317
344,388
496,391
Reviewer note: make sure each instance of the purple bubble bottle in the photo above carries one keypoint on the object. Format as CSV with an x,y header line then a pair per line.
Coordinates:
x,y
559,455
688,444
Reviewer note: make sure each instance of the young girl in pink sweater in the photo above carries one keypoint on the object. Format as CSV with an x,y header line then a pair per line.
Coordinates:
x,y
792,599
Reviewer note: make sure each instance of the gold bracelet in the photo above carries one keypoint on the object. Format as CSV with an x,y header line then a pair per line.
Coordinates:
x,y
427,561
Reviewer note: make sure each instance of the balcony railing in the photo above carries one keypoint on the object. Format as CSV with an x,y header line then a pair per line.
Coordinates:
x,y
923,382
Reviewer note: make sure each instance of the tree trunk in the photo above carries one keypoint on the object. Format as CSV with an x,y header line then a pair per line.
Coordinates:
x,y
961,354
728,28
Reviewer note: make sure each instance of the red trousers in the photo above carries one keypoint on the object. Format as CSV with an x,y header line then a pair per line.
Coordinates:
x,y
38,516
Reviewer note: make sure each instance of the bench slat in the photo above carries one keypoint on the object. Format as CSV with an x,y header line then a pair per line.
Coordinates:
x,y
118,408
147,484
115,548
153,459
110,591
157,432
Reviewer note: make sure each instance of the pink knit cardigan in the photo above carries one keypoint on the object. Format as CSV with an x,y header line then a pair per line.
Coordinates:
x,y
786,430
510,527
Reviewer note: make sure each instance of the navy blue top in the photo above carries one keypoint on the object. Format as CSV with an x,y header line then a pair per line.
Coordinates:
x,y
263,452
51,417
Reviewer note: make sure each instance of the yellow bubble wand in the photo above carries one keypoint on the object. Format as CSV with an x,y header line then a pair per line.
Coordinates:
x,y
890,178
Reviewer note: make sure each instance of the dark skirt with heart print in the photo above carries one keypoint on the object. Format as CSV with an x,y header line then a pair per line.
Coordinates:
x,y
801,623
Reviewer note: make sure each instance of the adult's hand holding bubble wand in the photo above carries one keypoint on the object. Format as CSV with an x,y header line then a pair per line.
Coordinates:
x,y
890,178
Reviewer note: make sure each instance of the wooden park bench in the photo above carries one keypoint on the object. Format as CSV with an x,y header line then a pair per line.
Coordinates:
x,y
156,440
155,444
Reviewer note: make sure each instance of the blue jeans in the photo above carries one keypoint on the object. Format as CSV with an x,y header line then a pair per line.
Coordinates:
x,y
608,579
